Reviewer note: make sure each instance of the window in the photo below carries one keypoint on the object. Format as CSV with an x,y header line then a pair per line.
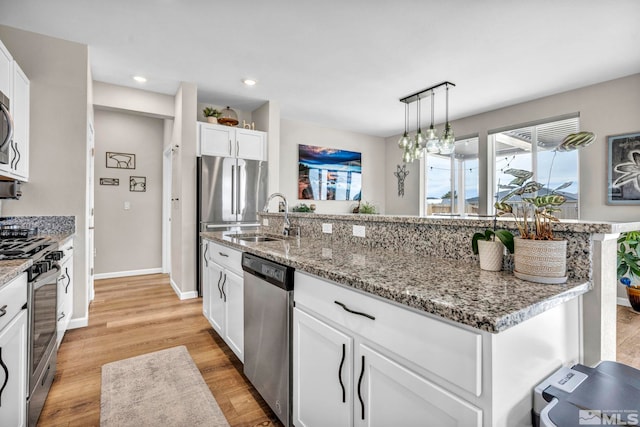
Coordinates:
x,y
515,149
451,182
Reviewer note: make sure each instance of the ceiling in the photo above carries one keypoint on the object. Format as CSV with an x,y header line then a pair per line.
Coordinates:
x,y
345,64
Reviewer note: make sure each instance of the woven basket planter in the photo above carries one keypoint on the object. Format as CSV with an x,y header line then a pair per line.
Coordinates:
x,y
490,253
540,261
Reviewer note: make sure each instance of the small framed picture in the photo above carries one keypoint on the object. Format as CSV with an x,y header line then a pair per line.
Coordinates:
x,y
109,181
138,183
623,169
121,160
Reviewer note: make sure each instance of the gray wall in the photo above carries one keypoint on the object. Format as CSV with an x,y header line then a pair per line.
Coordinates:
x,y
58,72
373,152
128,240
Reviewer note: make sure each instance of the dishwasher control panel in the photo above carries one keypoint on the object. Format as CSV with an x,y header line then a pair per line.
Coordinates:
x,y
272,272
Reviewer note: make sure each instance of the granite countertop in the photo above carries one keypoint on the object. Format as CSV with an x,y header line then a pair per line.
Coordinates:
x,y
463,293
10,269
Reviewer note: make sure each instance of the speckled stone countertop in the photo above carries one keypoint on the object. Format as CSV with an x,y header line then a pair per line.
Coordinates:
x,y
458,291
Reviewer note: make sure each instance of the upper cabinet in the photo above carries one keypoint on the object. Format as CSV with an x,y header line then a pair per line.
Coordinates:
x,y
15,85
227,141
6,61
19,153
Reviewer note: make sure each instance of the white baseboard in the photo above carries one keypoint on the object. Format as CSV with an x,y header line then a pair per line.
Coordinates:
x,y
116,274
183,295
83,322
624,301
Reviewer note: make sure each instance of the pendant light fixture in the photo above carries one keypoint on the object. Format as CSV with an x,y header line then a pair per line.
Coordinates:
x,y
414,148
403,142
448,141
433,142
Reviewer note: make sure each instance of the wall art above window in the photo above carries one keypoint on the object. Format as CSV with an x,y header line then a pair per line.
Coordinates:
x,y
623,169
109,181
138,183
329,174
121,160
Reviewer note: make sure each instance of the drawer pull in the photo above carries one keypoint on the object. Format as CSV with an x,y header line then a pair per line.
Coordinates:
x,y
223,254
359,387
359,313
3,310
344,397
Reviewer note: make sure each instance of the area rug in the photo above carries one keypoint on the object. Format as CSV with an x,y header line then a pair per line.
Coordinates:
x,y
163,388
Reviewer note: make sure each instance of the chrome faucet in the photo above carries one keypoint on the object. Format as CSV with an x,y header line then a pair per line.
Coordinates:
x,y
287,223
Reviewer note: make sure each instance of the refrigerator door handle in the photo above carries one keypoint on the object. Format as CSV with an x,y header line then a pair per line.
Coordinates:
x,y
238,189
233,187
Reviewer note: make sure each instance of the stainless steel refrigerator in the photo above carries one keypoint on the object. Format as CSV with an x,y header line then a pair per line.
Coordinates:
x,y
230,193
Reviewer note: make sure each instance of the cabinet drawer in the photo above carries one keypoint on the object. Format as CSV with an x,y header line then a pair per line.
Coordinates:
x,y
225,257
13,295
450,352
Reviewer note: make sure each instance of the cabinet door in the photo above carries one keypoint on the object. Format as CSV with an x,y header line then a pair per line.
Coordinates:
x,y
233,292
62,307
387,393
216,140
216,300
322,374
206,283
250,144
19,151
67,269
6,61
13,373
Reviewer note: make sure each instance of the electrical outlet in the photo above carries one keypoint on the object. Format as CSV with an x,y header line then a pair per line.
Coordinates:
x,y
358,231
327,228
265,222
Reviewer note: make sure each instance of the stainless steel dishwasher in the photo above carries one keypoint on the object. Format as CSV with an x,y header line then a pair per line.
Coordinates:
x,y
268,302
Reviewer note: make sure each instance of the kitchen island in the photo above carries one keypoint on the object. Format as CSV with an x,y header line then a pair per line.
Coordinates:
x,y
467,344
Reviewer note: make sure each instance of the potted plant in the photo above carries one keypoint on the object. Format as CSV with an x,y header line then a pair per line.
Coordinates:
x,y
365,208
211,114
538,255
491,250
629,266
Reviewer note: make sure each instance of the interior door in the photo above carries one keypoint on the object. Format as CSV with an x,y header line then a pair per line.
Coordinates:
x,y
90,240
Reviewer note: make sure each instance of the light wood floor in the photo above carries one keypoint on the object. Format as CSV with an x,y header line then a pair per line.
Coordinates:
x,y
137,315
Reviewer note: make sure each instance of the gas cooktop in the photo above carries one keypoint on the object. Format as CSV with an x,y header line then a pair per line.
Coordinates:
x,y
26,248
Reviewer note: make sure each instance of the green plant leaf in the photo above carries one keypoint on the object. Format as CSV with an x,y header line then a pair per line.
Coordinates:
x,y
576,140
549,200
563,186
503,207
506,238
474,241
530,187
519,173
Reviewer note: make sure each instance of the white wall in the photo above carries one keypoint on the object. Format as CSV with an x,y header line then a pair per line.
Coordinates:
x,y
373,152
128,240
137,101
58,72
267,118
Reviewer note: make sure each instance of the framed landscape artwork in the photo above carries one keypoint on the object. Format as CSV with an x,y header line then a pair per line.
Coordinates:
x,y
329,174
623,169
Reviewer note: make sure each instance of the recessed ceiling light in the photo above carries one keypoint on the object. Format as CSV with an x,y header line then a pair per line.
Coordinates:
x,y
139,79
249,82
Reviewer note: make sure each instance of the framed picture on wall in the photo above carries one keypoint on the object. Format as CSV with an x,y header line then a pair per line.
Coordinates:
x,y
623,169
138,183
121,160
328,173
109,181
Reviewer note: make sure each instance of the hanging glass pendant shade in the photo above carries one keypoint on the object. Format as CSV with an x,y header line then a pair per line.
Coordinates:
x,y
404,140
420,140
448,140
431,135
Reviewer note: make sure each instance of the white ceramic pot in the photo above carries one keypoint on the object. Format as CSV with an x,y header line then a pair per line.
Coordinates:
x,y
491,253
212,119
541,261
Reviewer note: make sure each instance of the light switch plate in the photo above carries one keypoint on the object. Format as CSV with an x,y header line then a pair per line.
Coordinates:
x,y
127,206
358,230
265,222
327,228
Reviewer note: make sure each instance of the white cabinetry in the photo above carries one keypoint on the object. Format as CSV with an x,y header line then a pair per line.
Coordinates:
x,y
223,294
13,353
227,141
19,151
387,359
6,73
65,290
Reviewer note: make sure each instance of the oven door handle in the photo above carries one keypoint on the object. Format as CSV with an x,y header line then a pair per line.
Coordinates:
x,y
43,279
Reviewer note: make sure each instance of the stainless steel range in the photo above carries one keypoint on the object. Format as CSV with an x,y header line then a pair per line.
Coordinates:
x,y
42,304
